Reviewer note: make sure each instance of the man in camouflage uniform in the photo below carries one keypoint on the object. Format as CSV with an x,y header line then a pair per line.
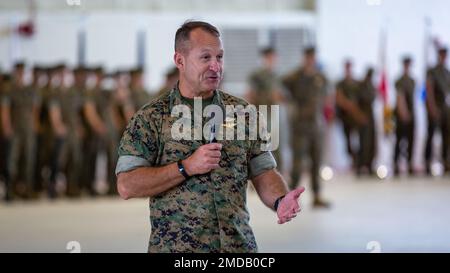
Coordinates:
x,y
347,92
120,112
307,87
265,89
95,112
404,116
58,127
197,191
367,133
139,96
70,102
438,109
20,123
44,136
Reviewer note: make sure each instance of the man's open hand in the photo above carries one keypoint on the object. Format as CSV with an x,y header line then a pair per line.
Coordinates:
x,y
289,207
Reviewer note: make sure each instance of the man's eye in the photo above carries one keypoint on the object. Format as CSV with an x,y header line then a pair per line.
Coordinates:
x,y
205,57
220,57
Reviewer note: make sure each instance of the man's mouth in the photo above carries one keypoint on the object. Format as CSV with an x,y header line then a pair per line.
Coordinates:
x,y
213,77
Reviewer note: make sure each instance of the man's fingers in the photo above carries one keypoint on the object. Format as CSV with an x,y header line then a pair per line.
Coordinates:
x,y
214,154
298,191
213,146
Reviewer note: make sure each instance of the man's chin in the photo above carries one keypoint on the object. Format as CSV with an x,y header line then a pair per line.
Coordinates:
x,y
211,87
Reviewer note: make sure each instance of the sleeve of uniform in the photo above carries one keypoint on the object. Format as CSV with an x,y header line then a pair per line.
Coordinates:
x,y
138,146
430,76
398,87
260,160
5,100
287,82
326,86
253,82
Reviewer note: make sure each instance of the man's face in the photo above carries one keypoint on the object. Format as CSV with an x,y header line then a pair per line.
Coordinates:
x,y
201,65
310,60
348,69
270,59
442,57
80,78
137,80
18,75
407,67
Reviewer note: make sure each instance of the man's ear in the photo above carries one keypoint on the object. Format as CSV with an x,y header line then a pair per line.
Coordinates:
x,y
178,58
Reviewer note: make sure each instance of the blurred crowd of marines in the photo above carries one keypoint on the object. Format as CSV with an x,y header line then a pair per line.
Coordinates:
x,y
54,128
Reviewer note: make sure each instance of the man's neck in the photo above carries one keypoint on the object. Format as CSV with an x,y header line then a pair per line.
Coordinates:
x,y
188,91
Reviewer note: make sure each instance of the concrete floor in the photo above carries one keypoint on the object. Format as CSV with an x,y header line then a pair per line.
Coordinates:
x,y
396,215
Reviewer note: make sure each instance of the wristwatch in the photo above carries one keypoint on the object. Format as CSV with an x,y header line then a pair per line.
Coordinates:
x,y
277,202
182,170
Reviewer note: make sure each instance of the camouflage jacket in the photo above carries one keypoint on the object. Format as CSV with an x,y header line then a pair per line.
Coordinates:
x,y
264,82
308,93
206,213
439,76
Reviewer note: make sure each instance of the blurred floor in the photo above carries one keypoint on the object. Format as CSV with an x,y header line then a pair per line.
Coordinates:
x,y
403,215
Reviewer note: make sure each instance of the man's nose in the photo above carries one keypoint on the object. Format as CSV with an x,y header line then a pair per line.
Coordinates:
x,y
215,66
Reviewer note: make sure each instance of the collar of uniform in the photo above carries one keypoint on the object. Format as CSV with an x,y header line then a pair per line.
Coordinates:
x,y
175,98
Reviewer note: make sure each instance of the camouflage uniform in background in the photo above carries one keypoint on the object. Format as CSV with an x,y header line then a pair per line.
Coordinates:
x,y
350,90
367,134
23,102
139,97
307,92
405,129
71,104
439,76
45,138
93,143
206,213
265,83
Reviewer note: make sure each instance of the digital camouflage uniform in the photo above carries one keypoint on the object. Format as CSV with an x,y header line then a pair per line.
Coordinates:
x,y
93,143
45,138
367,134
22,157
206,213
349,89
405,129
265,83
307,93
439,76
71,104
